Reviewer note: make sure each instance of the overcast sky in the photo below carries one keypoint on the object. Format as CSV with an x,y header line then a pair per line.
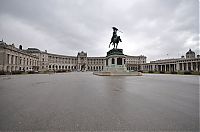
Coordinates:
x,y
153,28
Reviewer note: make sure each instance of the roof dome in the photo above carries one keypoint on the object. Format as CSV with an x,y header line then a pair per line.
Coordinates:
x,y
190,52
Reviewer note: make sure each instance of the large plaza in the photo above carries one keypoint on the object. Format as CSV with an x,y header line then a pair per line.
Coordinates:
x,y
84,102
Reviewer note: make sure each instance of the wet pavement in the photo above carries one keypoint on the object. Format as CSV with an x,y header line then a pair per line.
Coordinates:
x,y
84,102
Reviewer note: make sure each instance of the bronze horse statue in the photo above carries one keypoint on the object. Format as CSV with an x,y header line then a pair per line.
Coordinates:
x,y
115,39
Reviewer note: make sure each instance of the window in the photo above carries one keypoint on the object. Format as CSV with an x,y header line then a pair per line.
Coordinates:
x,y
12,59
8,58
119,61
16,60
113,61
20,61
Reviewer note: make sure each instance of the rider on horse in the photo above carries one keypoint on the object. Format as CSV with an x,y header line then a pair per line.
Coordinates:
x,y
115,39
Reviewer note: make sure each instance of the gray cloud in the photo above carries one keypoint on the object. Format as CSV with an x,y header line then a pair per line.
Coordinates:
x,y
152,28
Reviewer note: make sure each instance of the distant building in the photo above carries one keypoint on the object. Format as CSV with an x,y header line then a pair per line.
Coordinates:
x,y
190,63
16,59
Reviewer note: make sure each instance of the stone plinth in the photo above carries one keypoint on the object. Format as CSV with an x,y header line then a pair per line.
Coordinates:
x,y
115,65
115,52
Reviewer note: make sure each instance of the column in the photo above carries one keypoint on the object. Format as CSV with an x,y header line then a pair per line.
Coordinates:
x,y
9,60
169,68
191,66
153,67
115,61
186,66
177,67
183,65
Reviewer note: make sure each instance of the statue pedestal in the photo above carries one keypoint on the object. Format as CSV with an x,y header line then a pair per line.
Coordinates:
x,y
115,64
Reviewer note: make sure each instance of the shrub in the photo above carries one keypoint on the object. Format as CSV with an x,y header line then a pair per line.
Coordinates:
x,y
59,71
31,72
2,73
162,72
151,72
173,72
187,72
196,73
16,72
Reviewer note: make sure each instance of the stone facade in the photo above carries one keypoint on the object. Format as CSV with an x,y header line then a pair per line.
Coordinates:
x,y
34,59
14,59
190,63
134,63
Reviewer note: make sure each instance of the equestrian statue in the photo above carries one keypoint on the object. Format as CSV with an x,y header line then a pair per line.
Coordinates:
x,y
115,39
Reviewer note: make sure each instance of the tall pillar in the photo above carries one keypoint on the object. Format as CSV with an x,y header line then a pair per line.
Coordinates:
x,y
186,66
13,59
191,66
9,59
115,61
177,67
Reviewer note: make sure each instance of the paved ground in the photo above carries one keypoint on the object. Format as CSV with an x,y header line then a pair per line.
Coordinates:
x,y
82,101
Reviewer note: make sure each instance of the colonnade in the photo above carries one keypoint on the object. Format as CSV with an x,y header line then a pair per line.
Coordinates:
x,y
172,67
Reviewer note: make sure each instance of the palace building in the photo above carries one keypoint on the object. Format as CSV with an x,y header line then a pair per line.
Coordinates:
x,y
188,63
32,59
14,59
